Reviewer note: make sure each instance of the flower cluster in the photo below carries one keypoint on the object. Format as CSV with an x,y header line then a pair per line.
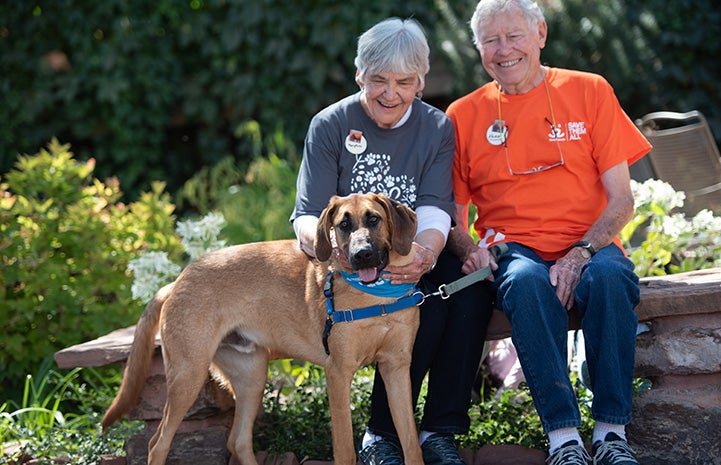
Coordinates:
x,y
670,242
201,236
153,270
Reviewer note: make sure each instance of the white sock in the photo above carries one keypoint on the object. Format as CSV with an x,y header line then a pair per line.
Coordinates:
x,y
369,438
559,437
601,429
425,435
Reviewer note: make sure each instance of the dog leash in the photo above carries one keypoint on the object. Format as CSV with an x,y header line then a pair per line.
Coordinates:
x,y
416,298
445,290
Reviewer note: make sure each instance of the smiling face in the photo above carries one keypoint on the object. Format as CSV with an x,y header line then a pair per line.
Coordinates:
x,y
511,51
387,96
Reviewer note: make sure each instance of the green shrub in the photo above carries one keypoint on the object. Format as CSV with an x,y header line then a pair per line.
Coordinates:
x,y
65,242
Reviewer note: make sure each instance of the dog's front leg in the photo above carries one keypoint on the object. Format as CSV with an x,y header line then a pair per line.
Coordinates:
x,y
339,380
397,380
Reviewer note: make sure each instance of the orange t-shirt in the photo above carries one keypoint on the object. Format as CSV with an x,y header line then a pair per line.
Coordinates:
x,y
549,210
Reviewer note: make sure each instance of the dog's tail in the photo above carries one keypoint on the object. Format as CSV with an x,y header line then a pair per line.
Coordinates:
x,y
139,360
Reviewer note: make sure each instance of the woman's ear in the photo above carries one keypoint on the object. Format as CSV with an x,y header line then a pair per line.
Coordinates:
x,y
358,79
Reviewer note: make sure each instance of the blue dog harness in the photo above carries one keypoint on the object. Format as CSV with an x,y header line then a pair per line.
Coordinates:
x,y
408,294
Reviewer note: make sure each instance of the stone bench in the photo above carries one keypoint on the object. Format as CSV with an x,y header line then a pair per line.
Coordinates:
x,y
677,421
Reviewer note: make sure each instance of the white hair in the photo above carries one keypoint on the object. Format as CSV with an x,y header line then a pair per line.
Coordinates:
x,y
393,45
486,10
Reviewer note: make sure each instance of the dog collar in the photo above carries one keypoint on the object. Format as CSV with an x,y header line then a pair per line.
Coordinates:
x,y
382,287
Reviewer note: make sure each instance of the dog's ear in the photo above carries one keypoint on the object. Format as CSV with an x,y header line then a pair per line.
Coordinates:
x,y
323,247
403,224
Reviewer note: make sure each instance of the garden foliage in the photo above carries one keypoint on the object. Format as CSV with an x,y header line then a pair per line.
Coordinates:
x,y
65,242
155,90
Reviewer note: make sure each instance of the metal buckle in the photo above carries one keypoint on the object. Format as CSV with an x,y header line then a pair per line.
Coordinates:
x,y
442,292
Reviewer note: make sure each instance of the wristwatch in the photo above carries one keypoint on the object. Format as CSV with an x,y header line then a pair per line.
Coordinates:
x,y
587,249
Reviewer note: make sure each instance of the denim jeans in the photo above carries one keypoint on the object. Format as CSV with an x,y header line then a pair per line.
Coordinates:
x,y
606,297
448,347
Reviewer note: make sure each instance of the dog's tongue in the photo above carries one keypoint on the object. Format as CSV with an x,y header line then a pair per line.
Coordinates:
x,y
368,275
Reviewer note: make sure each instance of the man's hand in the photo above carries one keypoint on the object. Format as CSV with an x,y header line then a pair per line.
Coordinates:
x,y
565,275
478,258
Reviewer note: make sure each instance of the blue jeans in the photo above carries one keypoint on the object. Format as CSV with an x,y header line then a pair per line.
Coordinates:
x,y
605,297
448,347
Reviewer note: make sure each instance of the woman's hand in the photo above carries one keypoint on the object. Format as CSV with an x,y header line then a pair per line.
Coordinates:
x,y
424,259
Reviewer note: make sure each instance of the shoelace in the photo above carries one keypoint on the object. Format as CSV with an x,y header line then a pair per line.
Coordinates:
x,y
569,455
615,450
445,446
386,453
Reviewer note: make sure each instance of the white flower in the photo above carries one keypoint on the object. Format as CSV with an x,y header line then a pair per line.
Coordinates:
x,y
151,271
201,236
675,225
655,190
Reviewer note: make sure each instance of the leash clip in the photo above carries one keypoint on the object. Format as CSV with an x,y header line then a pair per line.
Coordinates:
x,y
442,292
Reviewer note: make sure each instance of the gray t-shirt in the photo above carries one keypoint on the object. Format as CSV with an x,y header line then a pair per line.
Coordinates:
x,y
346,152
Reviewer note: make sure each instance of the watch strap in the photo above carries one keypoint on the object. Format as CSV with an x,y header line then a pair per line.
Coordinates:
x,y
586,245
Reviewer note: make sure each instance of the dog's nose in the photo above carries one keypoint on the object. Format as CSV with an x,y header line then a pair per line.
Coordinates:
x,y
364,255
362,252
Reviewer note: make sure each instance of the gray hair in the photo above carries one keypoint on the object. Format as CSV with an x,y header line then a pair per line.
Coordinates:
x,y
487,9
393,45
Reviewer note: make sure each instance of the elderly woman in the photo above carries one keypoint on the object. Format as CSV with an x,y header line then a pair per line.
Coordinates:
x,y
543,153
385,139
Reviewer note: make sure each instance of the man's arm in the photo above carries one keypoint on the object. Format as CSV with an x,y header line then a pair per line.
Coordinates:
x,y
461,244
565,273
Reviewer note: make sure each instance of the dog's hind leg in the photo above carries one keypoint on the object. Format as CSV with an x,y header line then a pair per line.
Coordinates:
x,y
339,383
184,380
186,372
247,374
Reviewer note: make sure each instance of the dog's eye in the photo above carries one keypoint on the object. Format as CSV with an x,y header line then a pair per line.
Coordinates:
x,y
344,225
374,220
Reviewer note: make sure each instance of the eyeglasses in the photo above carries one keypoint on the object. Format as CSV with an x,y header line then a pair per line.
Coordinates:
x,y
501,128
540,168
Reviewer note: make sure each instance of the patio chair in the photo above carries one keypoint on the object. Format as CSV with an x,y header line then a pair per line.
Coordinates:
x,y
686,156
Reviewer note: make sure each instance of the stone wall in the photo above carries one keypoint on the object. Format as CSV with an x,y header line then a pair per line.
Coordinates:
x,y
677,422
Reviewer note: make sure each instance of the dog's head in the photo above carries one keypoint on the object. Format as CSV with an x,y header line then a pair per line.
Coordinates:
x,y
370,229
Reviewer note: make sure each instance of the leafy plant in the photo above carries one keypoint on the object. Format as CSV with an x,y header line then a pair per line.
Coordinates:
x,y
256,201
299,421
56,418
65,241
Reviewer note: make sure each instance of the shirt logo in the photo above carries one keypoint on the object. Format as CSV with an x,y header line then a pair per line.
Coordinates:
x,y
576,129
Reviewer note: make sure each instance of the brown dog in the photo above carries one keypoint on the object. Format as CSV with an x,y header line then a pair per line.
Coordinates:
x,y
235,309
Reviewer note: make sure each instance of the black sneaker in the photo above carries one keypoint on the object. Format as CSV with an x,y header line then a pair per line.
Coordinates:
x,y
571,453
385,451
613,451
441,449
